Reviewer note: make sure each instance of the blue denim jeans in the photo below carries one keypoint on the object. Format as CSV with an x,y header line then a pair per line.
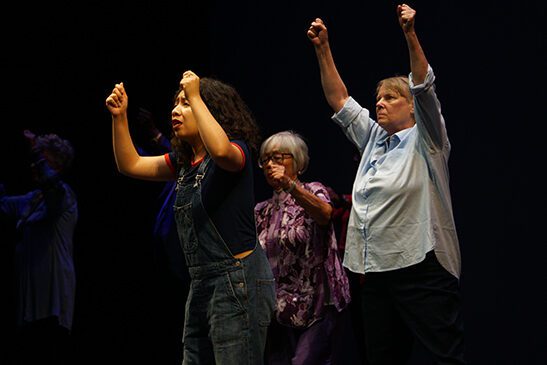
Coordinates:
x,y
231,301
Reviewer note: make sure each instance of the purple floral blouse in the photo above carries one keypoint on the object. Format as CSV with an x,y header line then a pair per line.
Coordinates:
x,y
304,259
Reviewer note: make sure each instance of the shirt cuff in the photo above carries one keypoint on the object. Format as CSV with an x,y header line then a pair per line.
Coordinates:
x,y
169,163
242,155
428,82
348,113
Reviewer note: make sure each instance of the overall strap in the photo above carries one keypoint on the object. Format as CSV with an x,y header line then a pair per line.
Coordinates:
x,y
180,178
201,170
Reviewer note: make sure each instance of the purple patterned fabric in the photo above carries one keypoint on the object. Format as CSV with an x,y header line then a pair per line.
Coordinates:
x,y
304,259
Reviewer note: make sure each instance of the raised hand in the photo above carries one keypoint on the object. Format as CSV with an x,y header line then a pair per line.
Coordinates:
x,y
190,85
277,175
406,17
117,101
317,32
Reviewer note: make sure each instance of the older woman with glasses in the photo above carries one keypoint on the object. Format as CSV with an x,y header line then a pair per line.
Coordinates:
x,y
294,227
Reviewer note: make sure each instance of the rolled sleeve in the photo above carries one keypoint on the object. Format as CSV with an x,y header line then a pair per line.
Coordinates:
x,y
426,85
428,114
345,116
355,122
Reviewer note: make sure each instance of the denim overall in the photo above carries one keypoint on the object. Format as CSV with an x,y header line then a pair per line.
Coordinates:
x,y
231,301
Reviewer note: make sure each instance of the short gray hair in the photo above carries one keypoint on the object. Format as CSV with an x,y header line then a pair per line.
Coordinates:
x,y
288,142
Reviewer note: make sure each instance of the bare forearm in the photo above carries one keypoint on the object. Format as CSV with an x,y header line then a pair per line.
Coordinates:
x,y
213,136
319,210
125,154
215,139
418,61
334,88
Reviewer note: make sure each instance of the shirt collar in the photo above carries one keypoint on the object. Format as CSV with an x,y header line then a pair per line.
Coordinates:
x,y
395,137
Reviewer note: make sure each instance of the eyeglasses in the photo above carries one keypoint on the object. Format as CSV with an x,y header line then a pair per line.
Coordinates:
x,y
276,158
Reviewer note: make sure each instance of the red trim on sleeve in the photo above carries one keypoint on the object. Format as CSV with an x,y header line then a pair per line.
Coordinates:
x,y
242,154
168,161
197,162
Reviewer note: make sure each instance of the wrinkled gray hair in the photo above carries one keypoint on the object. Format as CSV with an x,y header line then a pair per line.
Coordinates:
x,y
288,142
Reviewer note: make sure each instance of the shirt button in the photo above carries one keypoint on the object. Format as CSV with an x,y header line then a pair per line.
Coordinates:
x,y
237,263
241,285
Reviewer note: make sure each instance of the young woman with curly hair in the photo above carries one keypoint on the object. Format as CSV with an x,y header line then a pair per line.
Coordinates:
x,y
231,296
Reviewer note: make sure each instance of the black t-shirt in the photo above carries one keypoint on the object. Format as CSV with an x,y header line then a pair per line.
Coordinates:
x,y
228,198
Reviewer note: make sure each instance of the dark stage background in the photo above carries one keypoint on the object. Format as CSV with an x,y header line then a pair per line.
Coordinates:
x,y
62,61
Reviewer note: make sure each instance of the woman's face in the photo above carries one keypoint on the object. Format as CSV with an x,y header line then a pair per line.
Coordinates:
x,y
393,111
182,119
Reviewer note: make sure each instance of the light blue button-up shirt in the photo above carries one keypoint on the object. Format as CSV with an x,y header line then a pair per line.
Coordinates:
x,y
401,198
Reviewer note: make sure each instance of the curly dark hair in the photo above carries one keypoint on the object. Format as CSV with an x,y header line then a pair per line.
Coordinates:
x,y
60,151
229,110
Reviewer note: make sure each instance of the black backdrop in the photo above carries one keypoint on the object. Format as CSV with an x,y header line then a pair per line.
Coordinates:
x,y
61,62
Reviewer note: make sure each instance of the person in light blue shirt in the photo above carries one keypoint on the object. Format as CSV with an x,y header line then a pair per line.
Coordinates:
x,y
401,232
